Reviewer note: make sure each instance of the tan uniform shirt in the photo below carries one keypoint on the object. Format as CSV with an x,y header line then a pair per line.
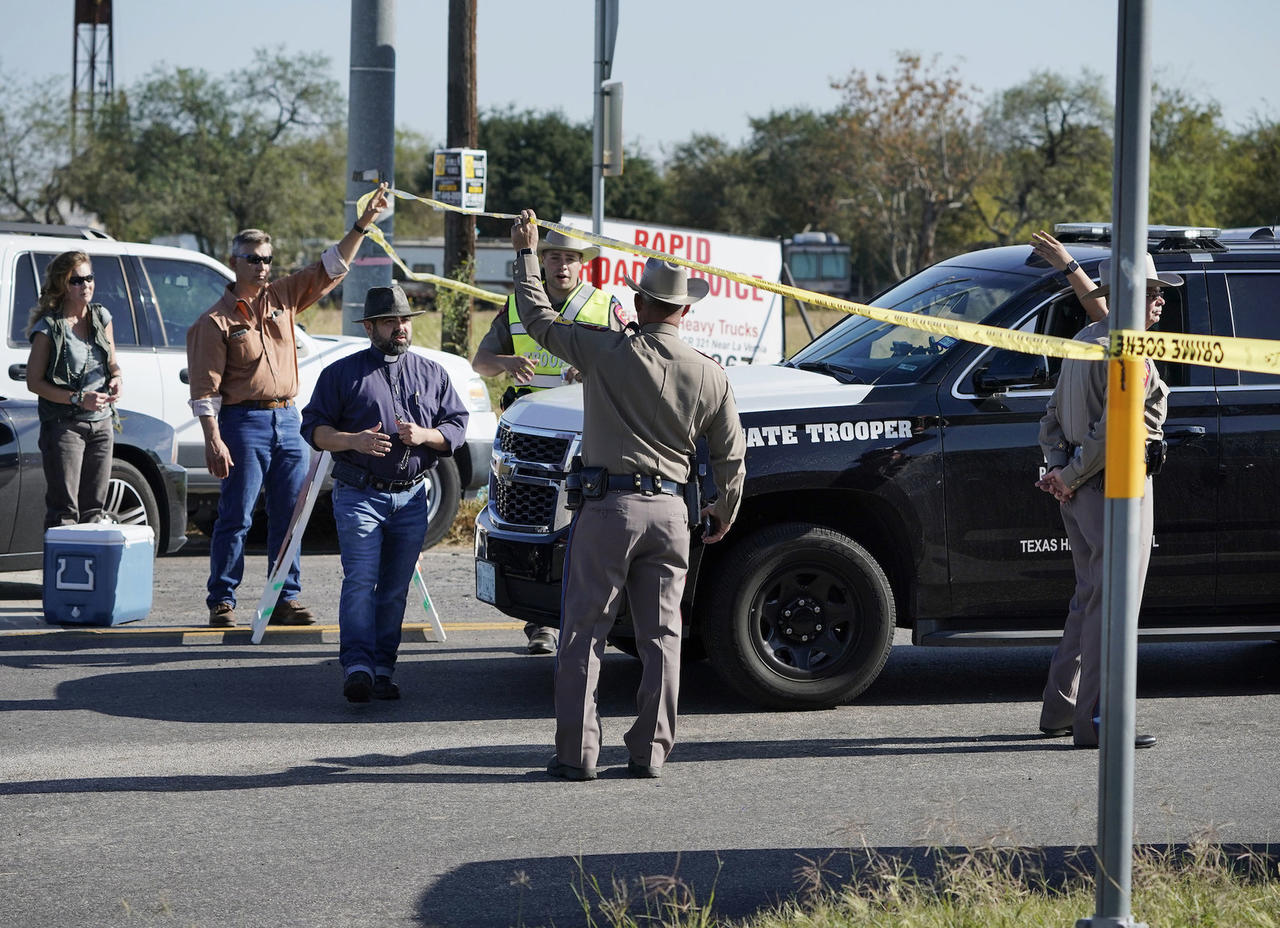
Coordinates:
x,y
244,349
1073,431
648,396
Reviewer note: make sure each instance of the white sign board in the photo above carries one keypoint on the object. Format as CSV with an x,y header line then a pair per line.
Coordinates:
x,y
735,323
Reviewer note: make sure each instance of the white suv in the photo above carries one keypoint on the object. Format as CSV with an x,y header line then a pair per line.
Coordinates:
x,y
154,293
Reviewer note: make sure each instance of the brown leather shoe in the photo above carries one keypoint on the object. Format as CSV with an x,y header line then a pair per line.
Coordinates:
x,y
222,615
291,612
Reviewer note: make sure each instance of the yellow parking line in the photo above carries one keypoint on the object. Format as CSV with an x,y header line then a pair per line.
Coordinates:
x,y
466,625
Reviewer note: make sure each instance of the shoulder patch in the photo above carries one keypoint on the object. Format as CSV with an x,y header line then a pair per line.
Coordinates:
x,y
621,315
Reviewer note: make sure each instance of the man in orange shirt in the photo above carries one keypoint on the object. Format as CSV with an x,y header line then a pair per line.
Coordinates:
x,y
243,368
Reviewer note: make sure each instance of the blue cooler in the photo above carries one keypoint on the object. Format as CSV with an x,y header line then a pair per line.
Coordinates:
x,y
97,574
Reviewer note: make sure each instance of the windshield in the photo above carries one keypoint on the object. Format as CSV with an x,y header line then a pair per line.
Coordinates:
x,y
861,350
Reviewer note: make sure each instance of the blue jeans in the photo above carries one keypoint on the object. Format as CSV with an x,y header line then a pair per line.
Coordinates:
x,y
380,535
267,451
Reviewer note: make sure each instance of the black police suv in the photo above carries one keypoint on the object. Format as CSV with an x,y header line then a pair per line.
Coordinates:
x,y
891,480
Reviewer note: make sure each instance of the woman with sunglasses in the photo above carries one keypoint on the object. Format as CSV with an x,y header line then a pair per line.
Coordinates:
x,y
72,369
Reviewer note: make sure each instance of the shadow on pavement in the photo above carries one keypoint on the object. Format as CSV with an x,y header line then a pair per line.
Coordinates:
x,y
235,685
553,890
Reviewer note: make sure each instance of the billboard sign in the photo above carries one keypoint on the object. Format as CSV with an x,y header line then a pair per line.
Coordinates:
x,y
735,323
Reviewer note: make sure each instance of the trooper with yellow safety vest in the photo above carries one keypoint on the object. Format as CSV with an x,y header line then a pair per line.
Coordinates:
x,y
508,349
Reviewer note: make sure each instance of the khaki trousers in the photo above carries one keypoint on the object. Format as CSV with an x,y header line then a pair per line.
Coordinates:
x,y
1074,685
640,544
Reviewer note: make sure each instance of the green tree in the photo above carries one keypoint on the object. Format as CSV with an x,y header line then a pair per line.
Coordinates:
x,y
185,152
799,173
34,145
1253,193
415,221
915,148
1052,156
542,161
1189,158
708,186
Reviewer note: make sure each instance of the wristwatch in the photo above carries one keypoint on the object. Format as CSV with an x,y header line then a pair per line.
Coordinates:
x,y
525,251
77,397
355,227
1072,267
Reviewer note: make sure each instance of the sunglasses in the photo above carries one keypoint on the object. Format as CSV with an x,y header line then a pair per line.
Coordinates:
x,y
76,280
256,259
1154,294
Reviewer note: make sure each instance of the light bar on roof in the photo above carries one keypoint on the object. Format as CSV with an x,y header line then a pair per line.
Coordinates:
x,y
1083,231
1174,233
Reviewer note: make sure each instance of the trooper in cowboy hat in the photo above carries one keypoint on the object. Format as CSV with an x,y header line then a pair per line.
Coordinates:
x,y
1073,439
387,415
507,350
669,283
1155,280
647,400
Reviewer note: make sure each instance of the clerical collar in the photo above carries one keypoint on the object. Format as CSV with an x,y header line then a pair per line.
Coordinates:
x,y
391,358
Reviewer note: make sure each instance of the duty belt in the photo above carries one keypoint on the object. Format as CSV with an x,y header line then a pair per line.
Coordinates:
x,y
360,478
1155,450
645,483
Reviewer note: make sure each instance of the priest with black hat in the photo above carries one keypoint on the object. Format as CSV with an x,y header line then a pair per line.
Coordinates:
x,y
387,415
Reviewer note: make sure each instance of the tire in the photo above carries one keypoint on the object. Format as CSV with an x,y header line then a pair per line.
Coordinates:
x,y
835,641
131,501
444,493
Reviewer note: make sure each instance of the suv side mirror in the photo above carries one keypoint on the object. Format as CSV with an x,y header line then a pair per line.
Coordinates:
x,y
1009,369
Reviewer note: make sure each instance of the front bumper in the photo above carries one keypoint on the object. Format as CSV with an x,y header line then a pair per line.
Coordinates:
x,y
519,574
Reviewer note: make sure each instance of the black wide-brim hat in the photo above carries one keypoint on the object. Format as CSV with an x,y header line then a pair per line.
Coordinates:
x,y
384,302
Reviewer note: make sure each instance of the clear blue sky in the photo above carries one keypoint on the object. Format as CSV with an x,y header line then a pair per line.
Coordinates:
x,y
694,65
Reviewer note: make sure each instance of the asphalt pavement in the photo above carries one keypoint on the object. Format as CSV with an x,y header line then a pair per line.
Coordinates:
x,y
164,774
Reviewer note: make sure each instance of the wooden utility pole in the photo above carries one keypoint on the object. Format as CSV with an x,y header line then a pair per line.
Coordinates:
x,y
460,230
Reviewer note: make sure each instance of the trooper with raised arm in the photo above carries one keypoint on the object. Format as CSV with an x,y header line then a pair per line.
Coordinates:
x,y
647,399
507,349
1073,440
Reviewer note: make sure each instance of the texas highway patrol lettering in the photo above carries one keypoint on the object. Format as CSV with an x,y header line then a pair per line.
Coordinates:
x,y
1044,545
816,432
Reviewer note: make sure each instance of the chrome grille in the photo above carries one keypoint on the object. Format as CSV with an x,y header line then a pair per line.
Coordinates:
x,y
536,449
525,504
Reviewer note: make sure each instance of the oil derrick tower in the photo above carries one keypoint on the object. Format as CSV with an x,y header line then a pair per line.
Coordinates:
x,y
92,62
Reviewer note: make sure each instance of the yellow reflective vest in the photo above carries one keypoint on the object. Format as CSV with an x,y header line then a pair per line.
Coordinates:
x,y
585,304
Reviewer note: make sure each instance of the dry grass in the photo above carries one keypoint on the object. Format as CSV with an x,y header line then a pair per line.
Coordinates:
x,y
1201,886
463,531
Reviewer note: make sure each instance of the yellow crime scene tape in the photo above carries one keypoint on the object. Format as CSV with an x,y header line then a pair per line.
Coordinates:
x,y
375,235
1125,466
1251,354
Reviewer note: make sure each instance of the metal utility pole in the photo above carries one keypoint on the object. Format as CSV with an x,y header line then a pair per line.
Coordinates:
x,y
606,38
371,143
92,61
1126,473
463,132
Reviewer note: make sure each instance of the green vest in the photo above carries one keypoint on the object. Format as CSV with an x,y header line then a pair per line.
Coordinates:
x,y
60,374
585,304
